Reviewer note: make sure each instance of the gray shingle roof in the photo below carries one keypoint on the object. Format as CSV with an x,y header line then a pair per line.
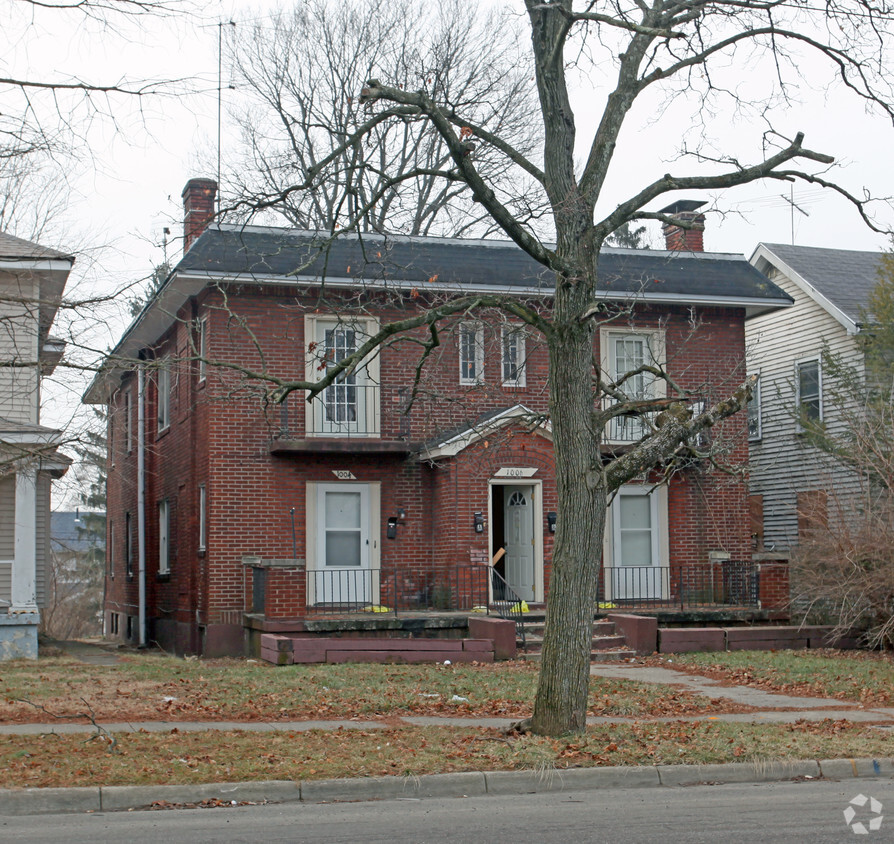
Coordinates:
x,y
261,251
844,276
15,247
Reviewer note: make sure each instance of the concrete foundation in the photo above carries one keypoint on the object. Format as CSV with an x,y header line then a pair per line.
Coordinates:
x,y
18,636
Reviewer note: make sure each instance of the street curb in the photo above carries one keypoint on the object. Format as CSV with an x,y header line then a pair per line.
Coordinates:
x,y
38,801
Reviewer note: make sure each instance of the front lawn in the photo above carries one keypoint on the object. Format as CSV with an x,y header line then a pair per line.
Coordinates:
x,y
175,757
847,675
145,687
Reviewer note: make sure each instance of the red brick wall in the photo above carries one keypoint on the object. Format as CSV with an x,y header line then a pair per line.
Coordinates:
x,y
220,431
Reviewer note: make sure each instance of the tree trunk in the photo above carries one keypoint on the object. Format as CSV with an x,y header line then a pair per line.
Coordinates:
x,y
562,693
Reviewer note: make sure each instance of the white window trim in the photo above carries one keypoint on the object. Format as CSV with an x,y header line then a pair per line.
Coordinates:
x,y
659,504
128,545
476,329
819,370
517,332
202,348
758,404
164,536
163,390
311,548
203,519
655,339
110,553
128,421
369,366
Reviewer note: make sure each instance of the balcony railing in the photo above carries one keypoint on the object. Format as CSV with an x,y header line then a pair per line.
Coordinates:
x,y
347,409
724,583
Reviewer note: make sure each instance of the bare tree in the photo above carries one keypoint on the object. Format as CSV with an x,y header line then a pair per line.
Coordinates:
x,y
301,75
625,52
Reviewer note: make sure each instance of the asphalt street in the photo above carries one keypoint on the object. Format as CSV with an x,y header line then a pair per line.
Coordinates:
x,y
775,812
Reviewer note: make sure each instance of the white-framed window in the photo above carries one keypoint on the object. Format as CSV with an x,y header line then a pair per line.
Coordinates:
x,y
513,356
624,352
110,553
110,430
809,391
128,421
128,545
164,524
203,500
350,405
471,353
754,412
202,347
163,385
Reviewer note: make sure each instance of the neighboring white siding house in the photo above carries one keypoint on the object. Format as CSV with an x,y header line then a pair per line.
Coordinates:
x,y
32,278
789,477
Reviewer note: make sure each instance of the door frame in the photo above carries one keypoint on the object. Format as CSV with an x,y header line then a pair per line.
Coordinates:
x,y
661,542
536,486
311,528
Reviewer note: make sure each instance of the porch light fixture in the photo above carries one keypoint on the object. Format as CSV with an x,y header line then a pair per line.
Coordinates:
x,y
401,514
551,522
391,531
479,523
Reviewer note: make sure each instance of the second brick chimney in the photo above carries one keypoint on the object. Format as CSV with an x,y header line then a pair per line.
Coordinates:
x,y
198,208
690,238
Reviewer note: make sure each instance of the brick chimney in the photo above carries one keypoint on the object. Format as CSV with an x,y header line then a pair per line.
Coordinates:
x,y
198,208
679,239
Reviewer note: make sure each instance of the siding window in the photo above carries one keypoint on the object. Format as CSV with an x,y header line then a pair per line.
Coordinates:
x,y
809,399
513,347
128,422
128,545
202,347
164,524
754,413
471,353
202,523
163,382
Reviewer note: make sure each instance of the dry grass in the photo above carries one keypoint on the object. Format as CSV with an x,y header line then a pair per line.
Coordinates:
x,y
847,675
51,760
147,687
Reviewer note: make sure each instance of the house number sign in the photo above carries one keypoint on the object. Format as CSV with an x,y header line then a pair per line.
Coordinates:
x,y
512,472
344,474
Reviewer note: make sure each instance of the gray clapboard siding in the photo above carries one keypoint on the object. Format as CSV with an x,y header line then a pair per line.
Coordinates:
x,y
7,517
783,463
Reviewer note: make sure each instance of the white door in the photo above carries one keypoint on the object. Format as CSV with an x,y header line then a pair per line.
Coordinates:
x,y
518,535
636,570
343,574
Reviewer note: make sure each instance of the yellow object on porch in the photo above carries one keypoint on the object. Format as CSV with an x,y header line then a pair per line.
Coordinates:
x,y
376,608
521,606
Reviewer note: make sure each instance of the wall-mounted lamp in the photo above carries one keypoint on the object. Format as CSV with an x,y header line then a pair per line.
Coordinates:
x,y
401,514
391,531
479,523
551,522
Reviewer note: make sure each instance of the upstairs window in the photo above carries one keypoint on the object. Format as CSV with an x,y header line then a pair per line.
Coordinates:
x,y
128,421
203,529
623,353
163,383
471,353
164,524
202,347
754,413
809,398
514,374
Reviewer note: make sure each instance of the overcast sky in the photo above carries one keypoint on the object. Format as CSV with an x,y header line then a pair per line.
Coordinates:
x,y
127,189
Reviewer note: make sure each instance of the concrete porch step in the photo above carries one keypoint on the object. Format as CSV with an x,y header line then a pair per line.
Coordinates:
x,y
616,655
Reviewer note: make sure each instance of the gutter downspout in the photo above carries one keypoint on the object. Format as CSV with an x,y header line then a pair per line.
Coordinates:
x,y
141,501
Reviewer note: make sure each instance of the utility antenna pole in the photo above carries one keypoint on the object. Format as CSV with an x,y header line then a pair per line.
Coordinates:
x,y
220,27
791,201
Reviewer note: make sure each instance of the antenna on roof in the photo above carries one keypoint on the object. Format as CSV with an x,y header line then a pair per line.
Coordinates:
x,y
791,201
220,27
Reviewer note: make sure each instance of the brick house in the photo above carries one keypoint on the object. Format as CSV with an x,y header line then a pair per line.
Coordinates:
x,y
387,490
